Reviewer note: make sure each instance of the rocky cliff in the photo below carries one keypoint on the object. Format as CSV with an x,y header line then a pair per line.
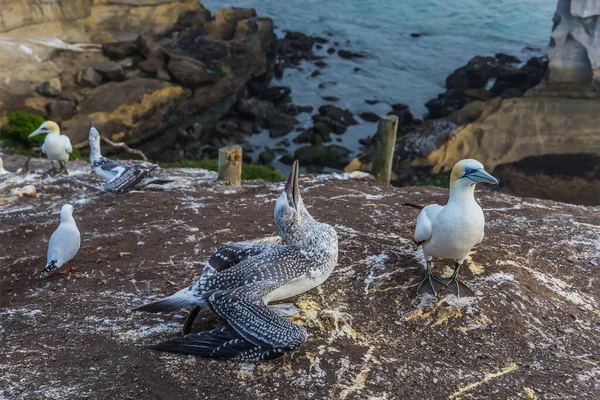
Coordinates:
x,y
532,332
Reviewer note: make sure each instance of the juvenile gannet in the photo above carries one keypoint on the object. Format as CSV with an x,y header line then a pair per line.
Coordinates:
x,y
240,279
64,242
56,146
120,177
451,231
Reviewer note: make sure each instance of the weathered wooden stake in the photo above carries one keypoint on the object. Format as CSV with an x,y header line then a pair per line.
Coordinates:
x,y
385,142
230,164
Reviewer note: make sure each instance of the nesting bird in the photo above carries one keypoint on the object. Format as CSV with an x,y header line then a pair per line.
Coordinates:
x,y
240,279
120,177
64,242
56,147
453,230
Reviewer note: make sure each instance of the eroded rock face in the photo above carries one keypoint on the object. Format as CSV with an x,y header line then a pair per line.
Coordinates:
x,y
574,50
533,324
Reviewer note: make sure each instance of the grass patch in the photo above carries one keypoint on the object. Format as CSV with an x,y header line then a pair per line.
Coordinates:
x,y
442,181
249,171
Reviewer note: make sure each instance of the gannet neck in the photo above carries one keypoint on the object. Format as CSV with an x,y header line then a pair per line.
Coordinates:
x,y
66,214
462,191
94,139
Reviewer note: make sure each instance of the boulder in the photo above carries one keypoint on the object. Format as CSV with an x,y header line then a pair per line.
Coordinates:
x,y
88,77
226,19
255,107
61,110
299,41
337,127
337,114
475,74
266,156
347,54
332,156
279,124
50,88
331,99
119,50
330,50
110,71
189,71
369,116
506,59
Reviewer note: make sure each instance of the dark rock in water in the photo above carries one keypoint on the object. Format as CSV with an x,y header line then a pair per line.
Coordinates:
x,y
88,77
372,102
312,137
369,116
322,130
337,114
405,117
61,109
321,64
320,40
333,156
280,124
415,35
50,88
318,46
330,50
189,71
294,109
284,143
356,69
325,85
473,75
287,159
119,50
273,94
478,94
509,78
368,141
536,68
446,104
110,71
266,157
399,107
331,98
299,41
347,54
337,127
315,73
278,70
506,59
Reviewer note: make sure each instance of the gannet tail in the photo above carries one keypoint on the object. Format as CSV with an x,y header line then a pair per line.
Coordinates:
x,y
51,266
418,207
220,343
185,297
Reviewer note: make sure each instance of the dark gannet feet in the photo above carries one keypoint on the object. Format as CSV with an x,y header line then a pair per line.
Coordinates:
x,y
431,284
189,321
459,289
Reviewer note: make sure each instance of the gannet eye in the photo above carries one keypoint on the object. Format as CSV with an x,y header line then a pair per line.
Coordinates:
x,y
468,170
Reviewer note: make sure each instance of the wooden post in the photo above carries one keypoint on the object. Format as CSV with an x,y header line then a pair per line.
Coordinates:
x,y
230,164
385,143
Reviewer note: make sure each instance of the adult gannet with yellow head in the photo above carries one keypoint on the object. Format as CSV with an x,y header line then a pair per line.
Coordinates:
x,y
56,147
452,231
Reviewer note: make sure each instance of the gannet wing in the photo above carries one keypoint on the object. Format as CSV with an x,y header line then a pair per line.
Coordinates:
x,y
63,246
67,143
424,228
232,254
127,176
255,332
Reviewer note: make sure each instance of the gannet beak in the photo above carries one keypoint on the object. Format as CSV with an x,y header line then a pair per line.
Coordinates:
x,y
480,175
38,131
292,190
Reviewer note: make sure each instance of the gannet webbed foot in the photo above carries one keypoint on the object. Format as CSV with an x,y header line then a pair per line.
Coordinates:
x,y
456,287
431,284
189,321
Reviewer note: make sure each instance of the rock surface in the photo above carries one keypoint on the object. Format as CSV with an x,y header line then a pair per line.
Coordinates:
x,y
532,332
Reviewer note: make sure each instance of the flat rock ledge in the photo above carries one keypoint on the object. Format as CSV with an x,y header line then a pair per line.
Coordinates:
x,y
533,332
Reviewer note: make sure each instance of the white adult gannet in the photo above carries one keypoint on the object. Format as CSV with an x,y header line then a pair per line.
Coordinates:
x,y
120,177
56,146
452,231
64,242
2,170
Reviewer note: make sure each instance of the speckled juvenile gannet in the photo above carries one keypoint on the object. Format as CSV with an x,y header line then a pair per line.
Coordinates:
x,y
240,279
56,146
64,242
120,177
452,231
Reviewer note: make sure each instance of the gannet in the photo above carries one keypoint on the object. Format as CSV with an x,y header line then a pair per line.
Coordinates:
x,y
120,177
240,279
64,242
56,147
452,231
2,170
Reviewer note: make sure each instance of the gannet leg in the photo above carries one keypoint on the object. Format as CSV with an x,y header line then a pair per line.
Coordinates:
x,y
63,168
456,287
431,284
187,325
51,170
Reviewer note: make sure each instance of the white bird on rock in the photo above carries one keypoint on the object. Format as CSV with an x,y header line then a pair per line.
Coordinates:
x,y
453,230
120,177
2,170
56,146
64,242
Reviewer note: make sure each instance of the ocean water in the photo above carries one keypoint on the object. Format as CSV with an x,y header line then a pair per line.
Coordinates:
x,y
398,68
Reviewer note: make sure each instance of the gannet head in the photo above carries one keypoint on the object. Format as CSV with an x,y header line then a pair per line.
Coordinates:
x,y
46,127
66,212
290,213
469,172
94,139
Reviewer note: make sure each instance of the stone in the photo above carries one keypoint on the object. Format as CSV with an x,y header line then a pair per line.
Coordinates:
x,y
50,88
372,101
110,71
332,99
119,50
69,96
256,107
337,127
475,74
279,124
445,104
322,130
315,73
399,107
405,117
506,59
320,40
347,54
330,50
88,77
27,190
226,19
369,116
332,156
189,71
266,156
61,109
299,41
321,64
337,114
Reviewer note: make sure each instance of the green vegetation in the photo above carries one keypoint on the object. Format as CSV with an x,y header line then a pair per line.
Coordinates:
x,y
249,171
20,124
442,181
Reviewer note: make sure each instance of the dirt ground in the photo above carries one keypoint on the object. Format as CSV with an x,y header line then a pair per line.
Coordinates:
x,y
533,332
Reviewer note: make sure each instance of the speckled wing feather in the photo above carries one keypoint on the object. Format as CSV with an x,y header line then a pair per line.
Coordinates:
x,y
127,177
256,332
107,164
232,254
